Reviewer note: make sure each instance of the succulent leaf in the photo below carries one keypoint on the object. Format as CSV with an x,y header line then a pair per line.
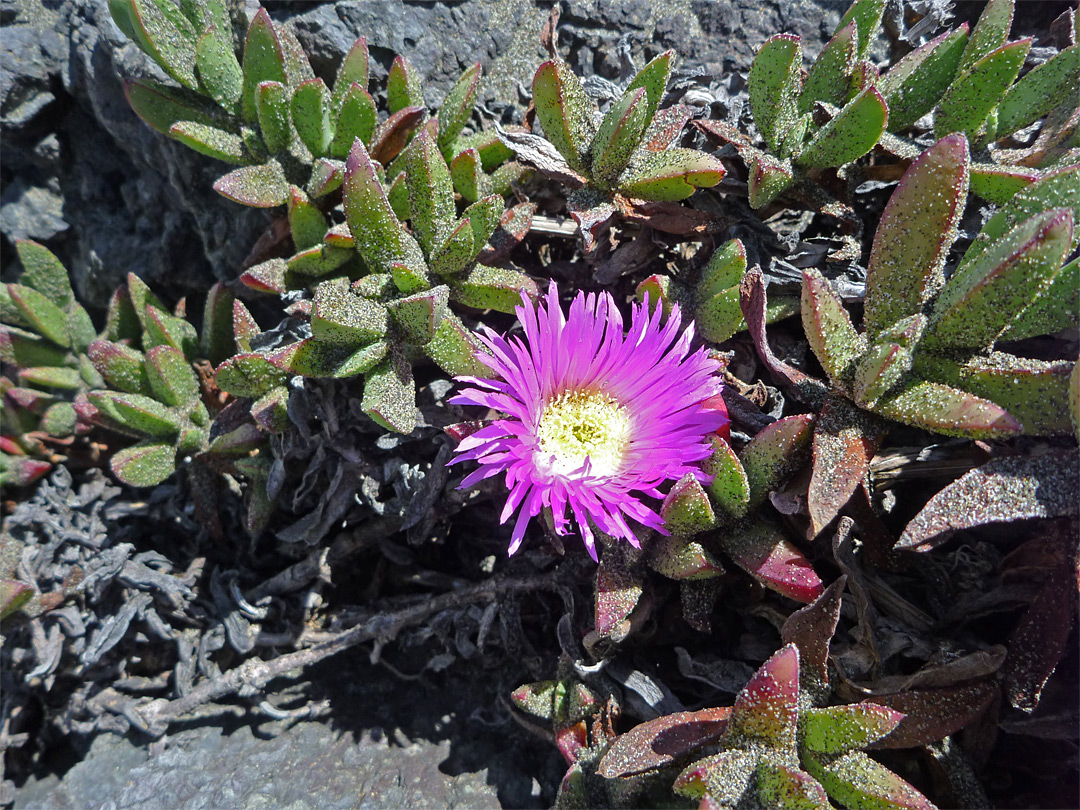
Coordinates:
x,y
167,36
772,560
768,179
730,487
263,62
619,135
135,413
314,358
766,709
146,464
418,316
248,375
915,84
966,104
457,107
856,780
854,131
1037,93
774,86
218,69
830,74
454,348
774,453
403,88
687,509
431,193
990,32
389,396
354,69
866,14
836,729
310,108
949,411
342,318
272,112
998,184
262,186
829,329
171,377
356,118
495,288
671,175
564,112
787,788
216,341
661,741
915,233
1057,307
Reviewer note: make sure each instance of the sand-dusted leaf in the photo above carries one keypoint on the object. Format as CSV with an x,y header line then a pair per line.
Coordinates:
x,y
687,509
662,741
272,112
836,729
248,375
1000,491
913,86
619,587
135,413
828,328
313,358
307,224
418,316
830,75
484,217
845,439
982,297
667,125
431,194
810,629
653,78
720,780
122,321
852,133
342,318
163,329
1037,93
725,269
456,252
212,142
990,32
966,104
389,395
25,349
41,314
997,184
264,61
66,379
455,348
218,69
619,135
379,236
949,411
457,107
1057,307
887,360
866,14
160,106
766,709
767,179
774,453
310,108
216,341
856,780
495,288
933,713
267,277
673,174
1040,637
166,36
403,86
271,410
765,554
915,233
774,86
354,69
45,273
172,380
467,175
146,464
393,134
787,788
564,112
1033,391
262,186
318,261
730,487
356,118
683,560
244,326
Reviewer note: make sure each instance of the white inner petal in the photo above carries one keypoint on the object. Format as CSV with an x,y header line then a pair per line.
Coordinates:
x,y
577,424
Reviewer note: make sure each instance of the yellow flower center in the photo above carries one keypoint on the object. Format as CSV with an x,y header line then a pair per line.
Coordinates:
x,y
584,423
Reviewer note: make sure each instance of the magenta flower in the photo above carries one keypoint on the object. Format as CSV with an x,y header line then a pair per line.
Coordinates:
x,y
593,420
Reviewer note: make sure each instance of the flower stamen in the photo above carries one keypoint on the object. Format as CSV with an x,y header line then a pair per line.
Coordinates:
x,y
579,424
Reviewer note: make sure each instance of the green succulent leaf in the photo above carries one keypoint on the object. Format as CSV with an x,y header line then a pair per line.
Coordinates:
x,y
271,410
984,295
990,32
431,193
136,413
768,179
484,217
619,135
41,314
356,119
342,318
725,269
216,341
163,329
829,329
264,61
211,141
1033,391
687,509
307,223
866,14
160,106
724,777
248,375
379,236
218,69
949,411
266,277
787,788
998,184
856,780
1043,88
766,709
25,350
122,321
455,348
654,79
60,420
887,360
167,37
354,69
774,453
456,252
122,366
1057,307
830,75
146,464
495,288
673,174
403,88
389,396
466,173
915,84
564,112
418,316
313,358
966,104
457,107
66,379
272,112
836,729
311,116
774,87
854,131
729,487
916,230
319,261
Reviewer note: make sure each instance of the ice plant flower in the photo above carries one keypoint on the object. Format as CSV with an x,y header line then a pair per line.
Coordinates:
x,y
593,419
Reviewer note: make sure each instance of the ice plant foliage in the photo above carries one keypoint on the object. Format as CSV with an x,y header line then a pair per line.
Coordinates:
x,y
595,419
